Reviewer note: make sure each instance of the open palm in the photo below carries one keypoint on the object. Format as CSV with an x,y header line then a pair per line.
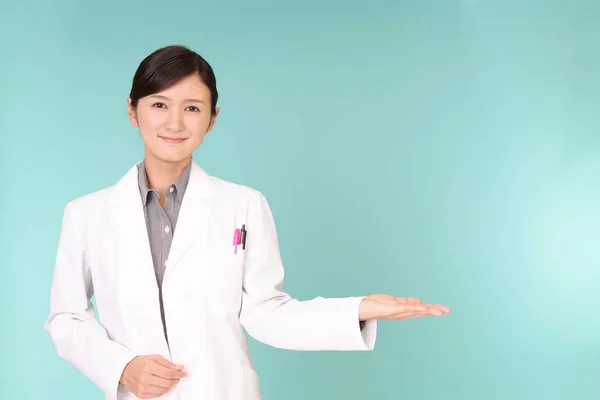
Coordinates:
x,y
384,306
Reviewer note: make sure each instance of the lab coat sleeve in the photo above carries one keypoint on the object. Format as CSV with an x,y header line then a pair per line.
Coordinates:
x,y
77,334
275,318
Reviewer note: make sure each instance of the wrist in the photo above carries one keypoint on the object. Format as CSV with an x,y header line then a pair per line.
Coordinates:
x,y
364,309
125,371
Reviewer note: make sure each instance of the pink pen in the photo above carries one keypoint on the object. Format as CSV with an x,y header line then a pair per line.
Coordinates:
x,y
236,240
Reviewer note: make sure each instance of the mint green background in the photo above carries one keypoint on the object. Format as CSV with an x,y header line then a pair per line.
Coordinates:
x,y
447,150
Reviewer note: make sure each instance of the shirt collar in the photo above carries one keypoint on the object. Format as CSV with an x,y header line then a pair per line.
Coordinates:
x,y
179,186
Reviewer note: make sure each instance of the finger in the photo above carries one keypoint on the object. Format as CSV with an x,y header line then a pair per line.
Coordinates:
x,y
413,308
410,315
409,300
438,309
429,309
167,373
418,310
166,363
435,311
418,316
163,382
442,307
408,311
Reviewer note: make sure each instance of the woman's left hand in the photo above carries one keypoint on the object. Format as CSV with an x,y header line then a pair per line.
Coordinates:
x,y
384,306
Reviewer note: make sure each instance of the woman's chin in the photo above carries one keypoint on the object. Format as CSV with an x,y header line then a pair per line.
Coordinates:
x,y
170,156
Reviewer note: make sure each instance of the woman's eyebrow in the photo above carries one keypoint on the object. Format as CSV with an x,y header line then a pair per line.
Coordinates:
x,y
159,96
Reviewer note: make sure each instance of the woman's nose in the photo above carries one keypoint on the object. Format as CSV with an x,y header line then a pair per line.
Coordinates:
x,y
174,121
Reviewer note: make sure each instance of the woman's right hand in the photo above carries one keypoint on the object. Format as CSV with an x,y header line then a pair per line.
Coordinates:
x,y
151,376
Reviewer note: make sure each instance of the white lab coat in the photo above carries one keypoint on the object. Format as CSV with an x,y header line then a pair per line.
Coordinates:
x,y
211,295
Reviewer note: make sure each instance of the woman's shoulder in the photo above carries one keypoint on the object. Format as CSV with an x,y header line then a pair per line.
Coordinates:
x,y
227,189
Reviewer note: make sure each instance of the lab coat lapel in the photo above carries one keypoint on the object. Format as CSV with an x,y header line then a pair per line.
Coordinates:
x,y
193,215
136,269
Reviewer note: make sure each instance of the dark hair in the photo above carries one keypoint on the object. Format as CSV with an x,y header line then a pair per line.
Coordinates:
x,y
167,66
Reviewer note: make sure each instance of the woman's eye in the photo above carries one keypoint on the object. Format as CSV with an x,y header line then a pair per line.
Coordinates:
x,y
192,108
158,105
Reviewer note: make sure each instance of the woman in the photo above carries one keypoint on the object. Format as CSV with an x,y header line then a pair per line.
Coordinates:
x,y
182,264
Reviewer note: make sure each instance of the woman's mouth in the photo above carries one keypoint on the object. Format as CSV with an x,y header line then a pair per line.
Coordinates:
x,y
172,139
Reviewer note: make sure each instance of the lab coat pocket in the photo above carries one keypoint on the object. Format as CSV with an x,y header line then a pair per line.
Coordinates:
x,y
223,286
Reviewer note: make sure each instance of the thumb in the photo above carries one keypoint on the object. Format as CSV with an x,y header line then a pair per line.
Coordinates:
x,y
167,364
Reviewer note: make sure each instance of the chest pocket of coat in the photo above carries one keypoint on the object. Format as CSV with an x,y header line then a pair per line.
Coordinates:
x,y
222,278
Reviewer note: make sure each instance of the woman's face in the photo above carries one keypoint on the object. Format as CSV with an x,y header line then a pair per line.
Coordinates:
x,y
173,122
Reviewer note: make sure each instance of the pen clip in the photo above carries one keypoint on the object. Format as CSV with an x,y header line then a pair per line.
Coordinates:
x,y
243,238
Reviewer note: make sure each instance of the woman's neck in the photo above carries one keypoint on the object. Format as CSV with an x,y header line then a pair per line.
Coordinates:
x,y
161,174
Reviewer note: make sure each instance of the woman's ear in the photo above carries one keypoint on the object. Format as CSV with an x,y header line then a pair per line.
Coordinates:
x,y
213,119
131,113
